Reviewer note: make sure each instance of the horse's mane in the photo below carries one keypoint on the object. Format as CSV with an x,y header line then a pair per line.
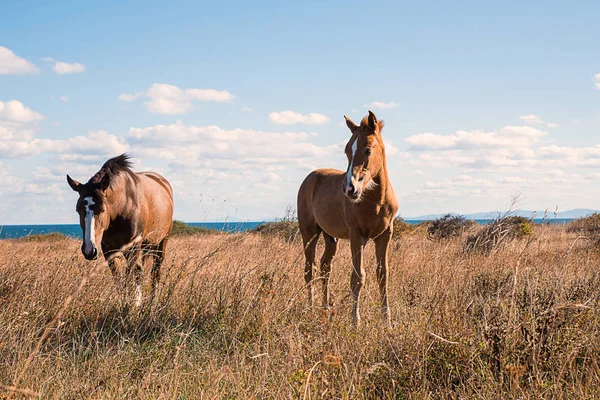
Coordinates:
x,y
115,166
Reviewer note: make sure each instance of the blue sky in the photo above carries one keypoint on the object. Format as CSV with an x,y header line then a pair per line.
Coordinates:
x,y
481,101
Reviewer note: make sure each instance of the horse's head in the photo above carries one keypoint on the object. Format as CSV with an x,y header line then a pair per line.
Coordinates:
x,y
93,216
366,156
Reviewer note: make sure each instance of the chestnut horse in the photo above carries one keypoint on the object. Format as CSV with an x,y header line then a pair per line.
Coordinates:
x,y
130,214
357,204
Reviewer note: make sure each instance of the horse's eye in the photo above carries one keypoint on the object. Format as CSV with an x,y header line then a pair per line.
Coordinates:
x,y
368,151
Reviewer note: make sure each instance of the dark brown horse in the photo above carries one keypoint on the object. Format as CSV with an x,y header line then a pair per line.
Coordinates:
x,y
357,204
130,214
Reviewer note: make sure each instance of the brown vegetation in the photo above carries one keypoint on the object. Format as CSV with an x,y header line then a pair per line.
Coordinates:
x,y
449,226
285,229
403,228
589,227
498,234
231,321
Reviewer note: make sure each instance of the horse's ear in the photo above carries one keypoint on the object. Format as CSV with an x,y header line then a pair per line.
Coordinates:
x,y
372,121
73,183
351,125
104,182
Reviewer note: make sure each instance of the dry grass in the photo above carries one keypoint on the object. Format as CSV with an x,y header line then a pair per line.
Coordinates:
x,y
231,322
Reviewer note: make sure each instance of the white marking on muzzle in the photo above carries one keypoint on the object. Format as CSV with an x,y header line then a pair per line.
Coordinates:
x,y
349,172
88,237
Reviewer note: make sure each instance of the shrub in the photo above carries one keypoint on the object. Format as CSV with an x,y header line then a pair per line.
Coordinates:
x,y
448,226
285,229
401,227
589,225
180,228
43,237
498,233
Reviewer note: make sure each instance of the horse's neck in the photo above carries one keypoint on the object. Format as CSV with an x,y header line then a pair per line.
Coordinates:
x,y
120,196
379,192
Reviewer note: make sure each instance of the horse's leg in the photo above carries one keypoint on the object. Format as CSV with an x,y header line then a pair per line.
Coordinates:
x,y
135,263
159,254
330,249
357,243
382,243
113,264
310,239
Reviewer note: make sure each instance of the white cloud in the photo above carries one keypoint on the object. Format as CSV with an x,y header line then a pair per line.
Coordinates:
x,y
130,96
11,64
597,81
523,149
171,100
63,68
571,156
292,118
213,142
219,96
513,180
15,111
9,183
64,99
247,109
95,146
167,99
457,187
531,119
18,125
381,105
509,136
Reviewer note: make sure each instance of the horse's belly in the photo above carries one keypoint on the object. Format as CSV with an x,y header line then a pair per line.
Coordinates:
x,y
332,225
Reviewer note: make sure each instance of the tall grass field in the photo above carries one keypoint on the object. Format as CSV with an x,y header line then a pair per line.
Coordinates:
x,y
518,320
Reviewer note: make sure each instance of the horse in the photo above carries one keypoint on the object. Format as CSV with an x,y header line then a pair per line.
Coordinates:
x,y
130,215
357,204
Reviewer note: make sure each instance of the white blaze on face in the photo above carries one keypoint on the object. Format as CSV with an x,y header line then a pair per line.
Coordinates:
x,y
88,236
350,167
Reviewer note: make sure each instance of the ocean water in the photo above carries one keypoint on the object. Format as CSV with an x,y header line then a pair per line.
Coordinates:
x,y
17,231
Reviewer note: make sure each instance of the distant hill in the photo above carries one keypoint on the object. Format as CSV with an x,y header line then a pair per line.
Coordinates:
x,y
576,213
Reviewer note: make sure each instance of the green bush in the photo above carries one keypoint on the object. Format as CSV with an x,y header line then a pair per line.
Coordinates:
x,y
448,226
180,228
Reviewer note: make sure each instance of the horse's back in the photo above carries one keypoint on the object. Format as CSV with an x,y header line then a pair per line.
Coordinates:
x,y
316,180
158,196
161,180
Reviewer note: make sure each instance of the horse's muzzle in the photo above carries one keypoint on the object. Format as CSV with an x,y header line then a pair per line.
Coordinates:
x,y
353,196
90,256
351,192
